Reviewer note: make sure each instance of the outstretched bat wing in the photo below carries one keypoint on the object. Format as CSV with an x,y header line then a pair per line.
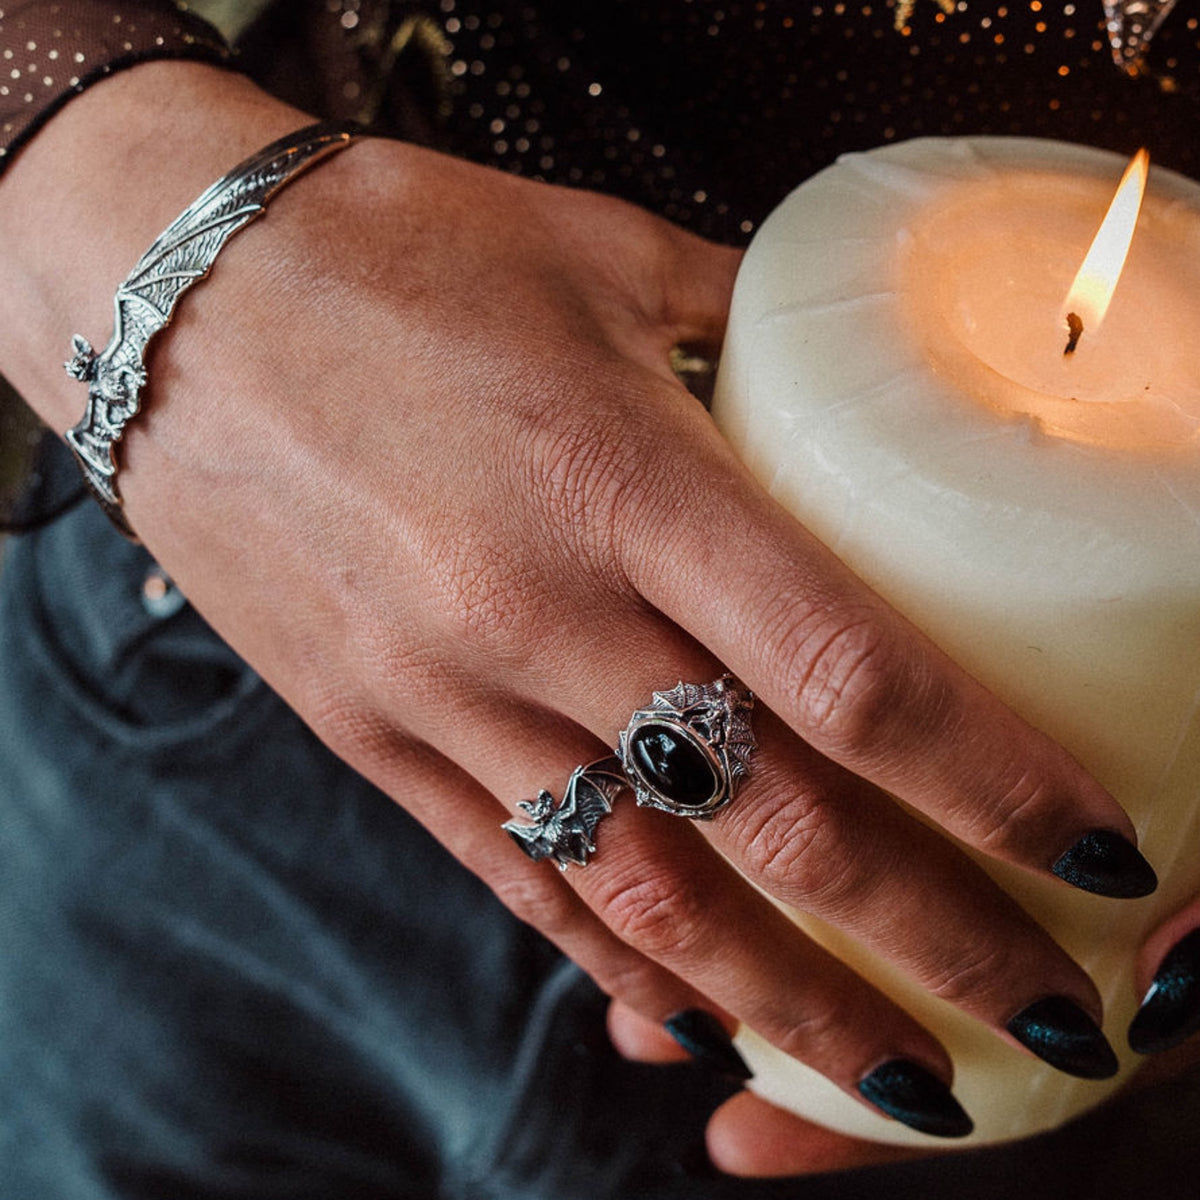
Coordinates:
x,y
146,301
565,833
183,253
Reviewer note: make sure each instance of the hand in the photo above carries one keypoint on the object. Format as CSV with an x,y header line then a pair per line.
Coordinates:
x,y
415,450
749,1137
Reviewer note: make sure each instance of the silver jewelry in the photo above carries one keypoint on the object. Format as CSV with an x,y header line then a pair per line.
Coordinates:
x,y
145,302
689,751
565,833
687,754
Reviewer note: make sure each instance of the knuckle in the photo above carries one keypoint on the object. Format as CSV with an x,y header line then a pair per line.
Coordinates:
x,y
1006,827
629,977
541,901
796,851
661,915
845,686
816,1033
972,975
847,673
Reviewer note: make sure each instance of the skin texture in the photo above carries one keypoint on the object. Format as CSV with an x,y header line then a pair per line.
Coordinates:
x,y
415,450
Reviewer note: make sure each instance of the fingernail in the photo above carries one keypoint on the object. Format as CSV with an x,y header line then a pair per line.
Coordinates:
x,y
917,1098
1170,1011
705,1039
1060,1033
1106,863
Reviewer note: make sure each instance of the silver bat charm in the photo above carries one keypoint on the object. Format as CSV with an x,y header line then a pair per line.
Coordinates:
x,y
565,833
146,301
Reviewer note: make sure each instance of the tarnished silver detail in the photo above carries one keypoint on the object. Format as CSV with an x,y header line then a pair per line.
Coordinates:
x,y
712,718
565,833
145,302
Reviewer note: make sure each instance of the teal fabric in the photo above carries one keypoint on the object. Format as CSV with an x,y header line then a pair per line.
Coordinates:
x,y
229,967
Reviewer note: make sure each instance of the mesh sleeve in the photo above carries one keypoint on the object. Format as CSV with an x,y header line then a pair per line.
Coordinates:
x,y
50,52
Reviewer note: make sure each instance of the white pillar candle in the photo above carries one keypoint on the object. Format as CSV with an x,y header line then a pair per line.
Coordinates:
x,y
894,373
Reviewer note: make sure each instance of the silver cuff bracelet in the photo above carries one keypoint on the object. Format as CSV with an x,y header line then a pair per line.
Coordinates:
x,y
145,302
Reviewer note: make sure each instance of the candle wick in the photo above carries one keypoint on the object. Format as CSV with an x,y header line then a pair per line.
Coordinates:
x,y
1075,330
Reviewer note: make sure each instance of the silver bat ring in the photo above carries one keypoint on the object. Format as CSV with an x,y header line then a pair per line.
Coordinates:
x,y
565,832
689,751
686,754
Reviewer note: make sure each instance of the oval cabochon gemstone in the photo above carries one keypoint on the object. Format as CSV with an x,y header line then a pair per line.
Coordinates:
x,y
671,764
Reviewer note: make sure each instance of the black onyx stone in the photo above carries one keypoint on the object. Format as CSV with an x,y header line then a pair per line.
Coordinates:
x,y
672,765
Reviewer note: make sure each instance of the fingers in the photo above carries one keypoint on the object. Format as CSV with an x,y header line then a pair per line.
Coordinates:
x,y
749,1137
694,1033
825,842
754,962
862,685
669,927
660,889
642,1040
804,830
1168,982
656,886
746,1135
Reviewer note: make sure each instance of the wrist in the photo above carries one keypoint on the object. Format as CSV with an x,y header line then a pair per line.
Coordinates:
x,y
92,190
181,256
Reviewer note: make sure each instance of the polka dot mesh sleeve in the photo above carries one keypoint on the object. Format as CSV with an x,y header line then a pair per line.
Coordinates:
x,y
50,52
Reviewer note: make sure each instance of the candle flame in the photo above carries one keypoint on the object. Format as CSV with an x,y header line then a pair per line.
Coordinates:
x,y
1092,291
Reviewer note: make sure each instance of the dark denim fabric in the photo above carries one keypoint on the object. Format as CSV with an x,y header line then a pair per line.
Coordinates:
x,y
229,968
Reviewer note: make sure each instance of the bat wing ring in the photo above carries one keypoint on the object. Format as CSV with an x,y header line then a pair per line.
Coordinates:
x,y
565,832
687,754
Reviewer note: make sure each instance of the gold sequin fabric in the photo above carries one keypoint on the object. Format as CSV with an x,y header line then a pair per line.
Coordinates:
x,y
710,110
50,52
707,111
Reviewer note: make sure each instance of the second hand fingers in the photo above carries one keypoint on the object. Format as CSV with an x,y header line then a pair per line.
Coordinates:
x,y
751,1138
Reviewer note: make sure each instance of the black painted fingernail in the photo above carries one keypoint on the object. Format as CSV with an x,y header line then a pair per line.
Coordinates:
x,y
1170,1011
917,1098
1106,863
705,1039
1060,1033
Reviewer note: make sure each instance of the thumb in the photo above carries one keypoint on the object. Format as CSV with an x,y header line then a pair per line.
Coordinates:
x,y
679,336
749,1137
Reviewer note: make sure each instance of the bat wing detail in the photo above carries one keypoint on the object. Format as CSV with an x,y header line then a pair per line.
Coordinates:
x,y
566,833
145,303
